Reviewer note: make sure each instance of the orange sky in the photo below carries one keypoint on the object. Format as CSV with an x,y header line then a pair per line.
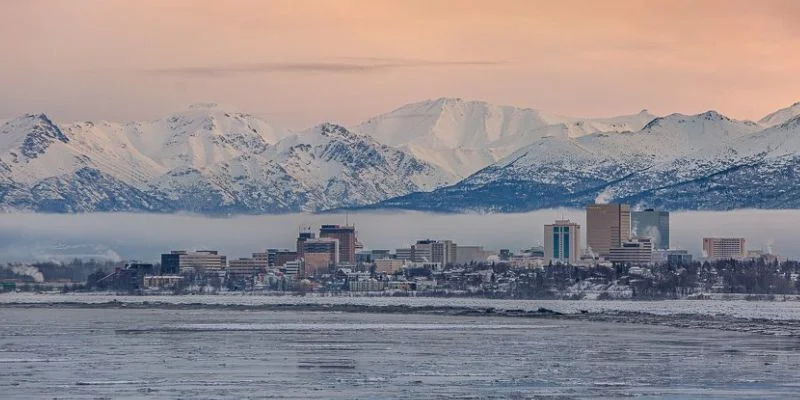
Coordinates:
x,y
299,62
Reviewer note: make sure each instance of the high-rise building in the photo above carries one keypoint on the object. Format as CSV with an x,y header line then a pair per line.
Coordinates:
x,y
724,248
443,252
562,242
178,261
302,237
637,251
653,224
320,254
347,240
607,226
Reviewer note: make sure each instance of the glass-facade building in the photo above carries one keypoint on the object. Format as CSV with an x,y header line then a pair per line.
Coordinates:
x,y
562,242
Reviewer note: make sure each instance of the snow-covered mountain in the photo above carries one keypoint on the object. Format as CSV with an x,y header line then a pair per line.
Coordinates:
x,y
445,155
205,158
463,137
704,161
781,116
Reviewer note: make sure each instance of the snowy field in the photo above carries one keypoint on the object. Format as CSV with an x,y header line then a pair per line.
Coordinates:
x,y
771,310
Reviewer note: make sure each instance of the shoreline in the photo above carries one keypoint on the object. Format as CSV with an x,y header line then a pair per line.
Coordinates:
x,y
760,326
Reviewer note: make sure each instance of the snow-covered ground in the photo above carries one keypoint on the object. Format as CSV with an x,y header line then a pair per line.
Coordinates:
x,y
772,310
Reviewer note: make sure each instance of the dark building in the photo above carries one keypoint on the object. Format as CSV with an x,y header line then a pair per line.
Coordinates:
x,y
170,264
301,238
282,257
347,240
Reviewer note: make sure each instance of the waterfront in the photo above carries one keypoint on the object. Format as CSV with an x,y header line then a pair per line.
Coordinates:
x,y
215,353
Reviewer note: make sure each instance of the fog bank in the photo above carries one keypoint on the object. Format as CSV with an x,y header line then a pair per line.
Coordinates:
x,y
28,237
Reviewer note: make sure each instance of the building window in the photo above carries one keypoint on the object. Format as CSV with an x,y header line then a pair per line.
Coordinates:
x,y
555,245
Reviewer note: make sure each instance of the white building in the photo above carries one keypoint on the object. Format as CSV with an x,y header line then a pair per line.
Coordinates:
x,y
637,251
716,248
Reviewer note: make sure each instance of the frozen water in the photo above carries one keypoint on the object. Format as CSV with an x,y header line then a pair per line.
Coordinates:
x,y
139,353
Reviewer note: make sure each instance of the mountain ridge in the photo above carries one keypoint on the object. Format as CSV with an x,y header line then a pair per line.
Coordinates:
x,y
445,155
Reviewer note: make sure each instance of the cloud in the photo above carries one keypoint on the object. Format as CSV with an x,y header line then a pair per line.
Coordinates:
x,y
348,65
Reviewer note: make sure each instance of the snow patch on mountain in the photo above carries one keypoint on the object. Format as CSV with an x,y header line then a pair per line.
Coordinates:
x,y
781,116
463,137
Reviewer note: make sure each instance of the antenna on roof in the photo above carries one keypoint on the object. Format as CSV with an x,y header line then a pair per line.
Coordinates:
x,y
346,218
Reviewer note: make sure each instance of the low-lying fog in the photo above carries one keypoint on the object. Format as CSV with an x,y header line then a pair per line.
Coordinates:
x,y
28,237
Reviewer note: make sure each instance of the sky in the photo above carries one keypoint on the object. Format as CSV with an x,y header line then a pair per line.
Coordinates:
x,y
296,63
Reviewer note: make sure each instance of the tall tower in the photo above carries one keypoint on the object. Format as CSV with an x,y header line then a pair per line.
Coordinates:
x,y
562,242
347,240
304,235
607,226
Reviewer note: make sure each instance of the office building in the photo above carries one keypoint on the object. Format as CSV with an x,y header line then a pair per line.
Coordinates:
x,y
319,255
637,251
404,254
346,235
653,224
422,251
443,252
607,226
369,256
716,248
180,261
562,242
293,269
246,267
302,237
672,257
388,265
275,257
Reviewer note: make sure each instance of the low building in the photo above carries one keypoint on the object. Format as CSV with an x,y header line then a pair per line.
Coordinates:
x,y
246,267
275,257
161,281
366,285
293,269
717,248
405,253
638,251
672,257
388,265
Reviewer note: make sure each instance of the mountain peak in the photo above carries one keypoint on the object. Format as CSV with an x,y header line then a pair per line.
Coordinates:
x,y
330,129
34,133
781,116
713,115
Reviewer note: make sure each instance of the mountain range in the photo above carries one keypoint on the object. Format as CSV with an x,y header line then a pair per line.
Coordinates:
x,y
445,155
